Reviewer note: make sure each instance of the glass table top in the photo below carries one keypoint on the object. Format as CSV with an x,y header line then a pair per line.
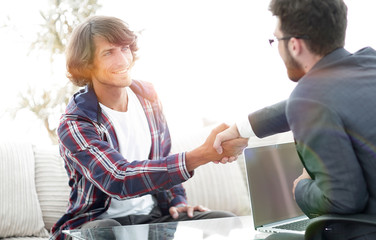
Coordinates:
x,y
209,229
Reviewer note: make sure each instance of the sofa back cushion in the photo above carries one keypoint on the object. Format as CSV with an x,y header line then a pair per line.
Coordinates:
x,y
20,212
51,184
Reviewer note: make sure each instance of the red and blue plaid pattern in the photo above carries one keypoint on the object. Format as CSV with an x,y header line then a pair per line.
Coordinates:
x,y
96,169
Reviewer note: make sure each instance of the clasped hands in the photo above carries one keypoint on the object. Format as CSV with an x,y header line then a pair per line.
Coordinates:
x,y
226,143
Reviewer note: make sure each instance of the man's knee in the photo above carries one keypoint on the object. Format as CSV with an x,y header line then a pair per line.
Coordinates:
x,y
101,223
212,214
108,234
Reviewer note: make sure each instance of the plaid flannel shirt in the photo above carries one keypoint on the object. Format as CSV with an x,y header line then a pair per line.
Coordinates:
x,y
98,172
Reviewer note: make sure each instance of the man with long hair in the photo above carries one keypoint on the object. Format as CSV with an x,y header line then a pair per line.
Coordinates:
x,y
115,141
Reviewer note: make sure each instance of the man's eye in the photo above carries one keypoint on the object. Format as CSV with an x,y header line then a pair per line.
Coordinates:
x,y
107,53
125,48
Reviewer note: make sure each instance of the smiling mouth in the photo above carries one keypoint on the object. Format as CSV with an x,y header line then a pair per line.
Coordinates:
x,y
121,71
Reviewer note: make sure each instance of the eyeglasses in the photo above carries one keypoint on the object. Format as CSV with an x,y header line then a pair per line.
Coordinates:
x,y
275,39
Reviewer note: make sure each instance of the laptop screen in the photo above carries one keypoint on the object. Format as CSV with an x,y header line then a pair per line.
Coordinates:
x,y
271,171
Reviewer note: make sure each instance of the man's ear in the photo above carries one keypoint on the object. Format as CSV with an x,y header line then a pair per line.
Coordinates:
x,y
295,46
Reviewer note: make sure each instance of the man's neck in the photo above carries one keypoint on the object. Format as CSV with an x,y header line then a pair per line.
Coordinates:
x,y
114,98
310,60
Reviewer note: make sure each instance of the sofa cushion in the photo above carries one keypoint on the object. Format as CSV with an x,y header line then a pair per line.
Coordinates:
x,y
51,184
20,212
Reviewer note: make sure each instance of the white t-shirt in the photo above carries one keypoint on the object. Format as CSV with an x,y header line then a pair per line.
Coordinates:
x,y
133,134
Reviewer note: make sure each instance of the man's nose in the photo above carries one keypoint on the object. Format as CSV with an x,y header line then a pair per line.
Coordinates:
x,y
124,58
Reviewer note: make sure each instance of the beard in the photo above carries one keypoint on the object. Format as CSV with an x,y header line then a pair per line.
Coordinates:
x,y
295,71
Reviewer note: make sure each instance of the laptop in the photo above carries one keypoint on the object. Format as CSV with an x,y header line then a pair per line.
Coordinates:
x,y
271,171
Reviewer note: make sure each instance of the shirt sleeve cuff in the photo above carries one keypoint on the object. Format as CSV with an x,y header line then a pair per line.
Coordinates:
x,y
177,168
244,128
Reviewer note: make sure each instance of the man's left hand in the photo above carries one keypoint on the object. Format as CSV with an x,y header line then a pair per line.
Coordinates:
x,y
304,175
174,211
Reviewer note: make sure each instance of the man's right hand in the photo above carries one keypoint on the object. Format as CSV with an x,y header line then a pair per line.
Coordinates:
x,y
206,153
228,134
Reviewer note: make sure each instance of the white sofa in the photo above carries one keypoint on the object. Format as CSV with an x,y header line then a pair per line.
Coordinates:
x,y
34,185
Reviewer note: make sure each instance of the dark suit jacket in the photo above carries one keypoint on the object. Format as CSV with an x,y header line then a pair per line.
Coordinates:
x,y
332,114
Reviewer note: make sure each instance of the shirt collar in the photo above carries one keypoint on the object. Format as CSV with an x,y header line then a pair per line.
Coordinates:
x,y
87,102
335,55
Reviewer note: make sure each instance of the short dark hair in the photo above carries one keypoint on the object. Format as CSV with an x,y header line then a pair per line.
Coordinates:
x,y
324,22
80,50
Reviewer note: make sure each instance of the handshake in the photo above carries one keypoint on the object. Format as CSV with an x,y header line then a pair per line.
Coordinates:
x,y
223,145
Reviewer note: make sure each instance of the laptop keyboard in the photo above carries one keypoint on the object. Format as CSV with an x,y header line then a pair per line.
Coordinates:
x,y
298,226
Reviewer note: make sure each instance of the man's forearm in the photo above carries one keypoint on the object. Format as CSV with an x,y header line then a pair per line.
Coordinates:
x,y
196,158
269,120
